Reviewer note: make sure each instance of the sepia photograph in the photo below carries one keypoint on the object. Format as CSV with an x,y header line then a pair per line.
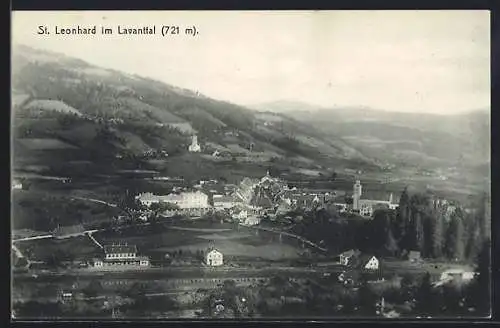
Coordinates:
x,y
255,165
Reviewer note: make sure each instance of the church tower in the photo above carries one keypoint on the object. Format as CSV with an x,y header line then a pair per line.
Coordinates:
x,y
194,147
356,195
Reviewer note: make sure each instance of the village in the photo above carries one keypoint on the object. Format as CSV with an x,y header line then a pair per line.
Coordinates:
x,y
252,172
267,205
209,234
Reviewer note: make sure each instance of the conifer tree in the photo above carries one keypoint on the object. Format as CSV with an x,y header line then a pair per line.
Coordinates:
x,y
367,300
425,298
454,244
480,290
437,234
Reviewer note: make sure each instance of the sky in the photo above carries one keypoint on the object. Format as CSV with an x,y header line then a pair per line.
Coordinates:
x,y
404,61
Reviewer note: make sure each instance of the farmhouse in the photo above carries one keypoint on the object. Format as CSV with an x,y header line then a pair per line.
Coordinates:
x,y
16,184
251,220
65,296
261,201
214,258
245,190
345,257
121,256
340,206
369,262
414,256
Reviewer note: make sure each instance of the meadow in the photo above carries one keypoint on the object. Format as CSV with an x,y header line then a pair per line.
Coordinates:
x,y
76,248
155,238
41,210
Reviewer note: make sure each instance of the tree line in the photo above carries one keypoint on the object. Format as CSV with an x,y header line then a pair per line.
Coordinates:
x,y
434,229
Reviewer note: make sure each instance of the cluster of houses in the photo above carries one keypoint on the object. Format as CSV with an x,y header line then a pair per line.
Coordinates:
x,y
275,193
255,198
236,201
269,196
278,193
370,264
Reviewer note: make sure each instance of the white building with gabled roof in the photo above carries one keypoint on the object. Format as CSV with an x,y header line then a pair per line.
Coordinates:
x,y
194,147
214,258
368,262
184,200
16,184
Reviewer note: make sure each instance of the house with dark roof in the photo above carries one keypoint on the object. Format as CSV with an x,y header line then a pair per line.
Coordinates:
x,y
261,201
348,256
17,184
120,251
121,256
414,256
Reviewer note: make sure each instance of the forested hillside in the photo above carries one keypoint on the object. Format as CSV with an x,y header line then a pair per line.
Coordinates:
x,y
112,120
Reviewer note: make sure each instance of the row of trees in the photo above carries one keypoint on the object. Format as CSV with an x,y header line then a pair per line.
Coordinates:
x,y
437,231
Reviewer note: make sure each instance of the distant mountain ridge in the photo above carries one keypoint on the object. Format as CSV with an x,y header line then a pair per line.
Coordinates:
x,y
445,139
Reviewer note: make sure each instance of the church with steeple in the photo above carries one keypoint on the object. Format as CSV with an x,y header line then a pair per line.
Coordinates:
x,y
366,207
194,147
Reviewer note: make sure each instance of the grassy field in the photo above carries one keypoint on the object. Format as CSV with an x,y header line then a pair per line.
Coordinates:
x,y
43,144
157,238
154,239
147,238
41,210
56,105
239,249
76,248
